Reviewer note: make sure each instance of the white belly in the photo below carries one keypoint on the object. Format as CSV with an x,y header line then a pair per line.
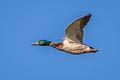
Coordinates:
x,y
75,48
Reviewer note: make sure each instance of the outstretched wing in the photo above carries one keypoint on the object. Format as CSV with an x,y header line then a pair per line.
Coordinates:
x,y
74,32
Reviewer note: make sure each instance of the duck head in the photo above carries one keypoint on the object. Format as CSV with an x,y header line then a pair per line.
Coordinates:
x,y
42,43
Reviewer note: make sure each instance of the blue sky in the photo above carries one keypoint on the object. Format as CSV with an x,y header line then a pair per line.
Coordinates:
x,y
23,22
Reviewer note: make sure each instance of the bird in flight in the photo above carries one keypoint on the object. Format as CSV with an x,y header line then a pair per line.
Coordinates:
x,y
73,40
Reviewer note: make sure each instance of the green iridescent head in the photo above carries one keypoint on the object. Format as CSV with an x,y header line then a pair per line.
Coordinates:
x,y
42,43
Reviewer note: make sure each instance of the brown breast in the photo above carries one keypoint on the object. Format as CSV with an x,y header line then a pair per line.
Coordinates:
x,y
57,45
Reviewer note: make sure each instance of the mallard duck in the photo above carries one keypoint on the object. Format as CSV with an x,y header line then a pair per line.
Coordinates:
x,y
73,40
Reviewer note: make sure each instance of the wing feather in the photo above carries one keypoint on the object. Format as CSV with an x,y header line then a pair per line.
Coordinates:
x,y
74,32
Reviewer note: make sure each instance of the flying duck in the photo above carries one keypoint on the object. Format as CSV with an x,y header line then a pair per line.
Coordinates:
x,y
73,40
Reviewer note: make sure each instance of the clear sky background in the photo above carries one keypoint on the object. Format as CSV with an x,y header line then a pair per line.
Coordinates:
x,y
23,22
